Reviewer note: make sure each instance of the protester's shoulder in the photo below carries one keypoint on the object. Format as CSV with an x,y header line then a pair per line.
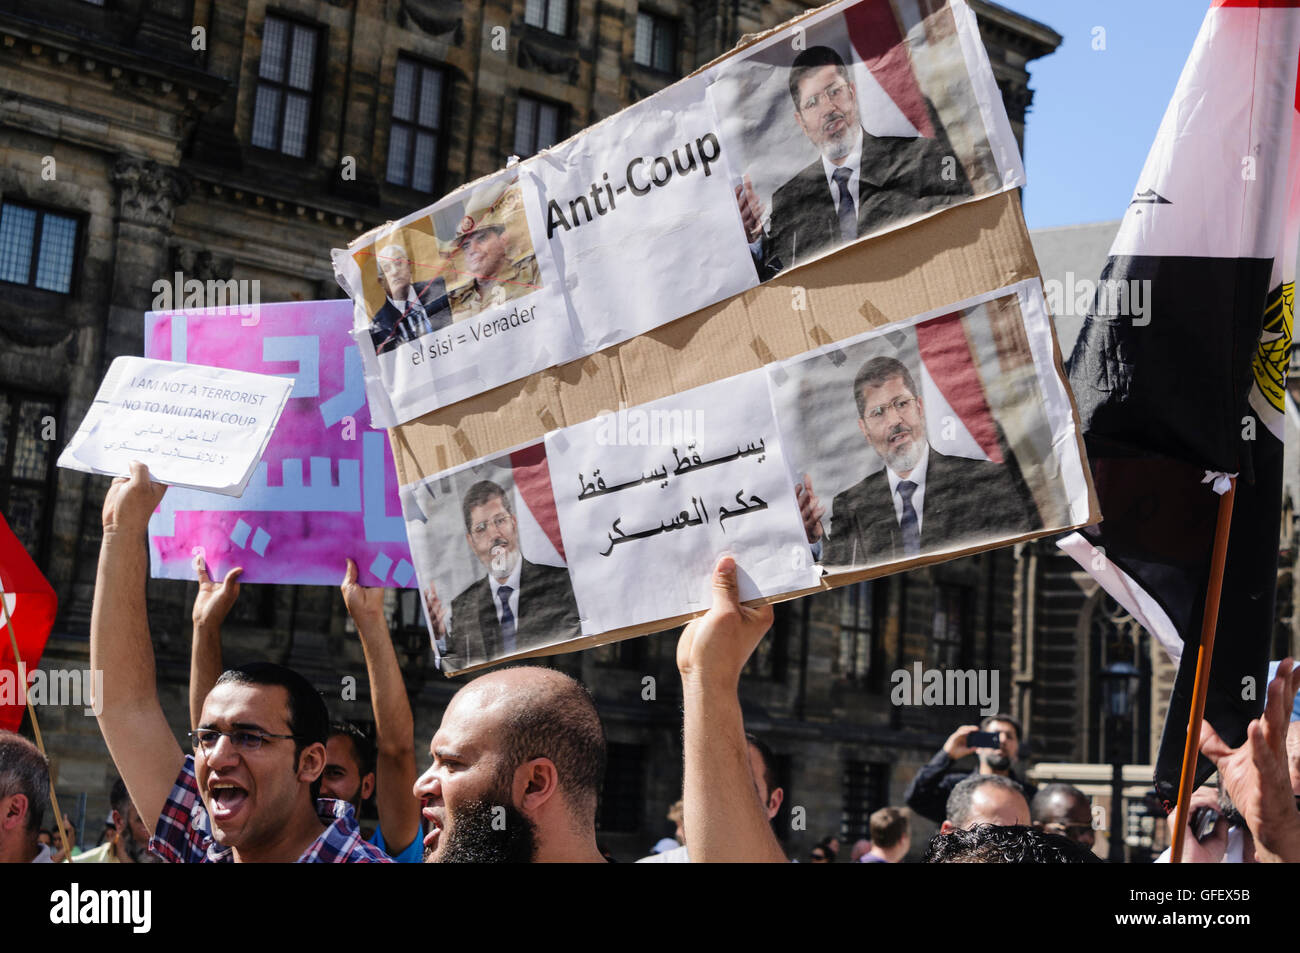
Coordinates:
x,y
363,852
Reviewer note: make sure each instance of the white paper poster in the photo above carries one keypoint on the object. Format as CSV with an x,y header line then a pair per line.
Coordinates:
x,y
649,498
194,426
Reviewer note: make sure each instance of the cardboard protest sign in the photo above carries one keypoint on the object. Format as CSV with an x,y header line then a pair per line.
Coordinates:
x,y
958,418
845,124
198,427
325,488
948,289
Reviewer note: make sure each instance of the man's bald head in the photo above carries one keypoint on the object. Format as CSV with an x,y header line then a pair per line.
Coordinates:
x,y
986,799
543,713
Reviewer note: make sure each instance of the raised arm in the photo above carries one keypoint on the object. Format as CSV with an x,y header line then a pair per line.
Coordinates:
x,y
135,729
211,606
724,818
399,809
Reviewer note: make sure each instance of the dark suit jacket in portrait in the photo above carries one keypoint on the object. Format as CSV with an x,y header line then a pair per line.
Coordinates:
x,y
965,501
391,327
899,177
548,614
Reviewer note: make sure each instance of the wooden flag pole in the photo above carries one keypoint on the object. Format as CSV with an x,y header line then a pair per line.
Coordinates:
x,y
36,730
1204,656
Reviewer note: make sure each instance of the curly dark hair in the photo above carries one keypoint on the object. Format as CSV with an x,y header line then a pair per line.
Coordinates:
x,y
987,844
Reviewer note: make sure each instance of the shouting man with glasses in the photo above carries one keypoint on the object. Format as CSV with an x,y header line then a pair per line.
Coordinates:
x,y
921,500
859,184
518,605
249,791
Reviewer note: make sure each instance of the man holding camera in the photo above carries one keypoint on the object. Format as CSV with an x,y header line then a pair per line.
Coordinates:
x,y
995,741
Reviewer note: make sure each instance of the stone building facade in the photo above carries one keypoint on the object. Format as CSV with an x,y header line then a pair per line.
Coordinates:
x,y
242,139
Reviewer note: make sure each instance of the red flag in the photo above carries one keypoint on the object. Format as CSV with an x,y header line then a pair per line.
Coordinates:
x,y
28,603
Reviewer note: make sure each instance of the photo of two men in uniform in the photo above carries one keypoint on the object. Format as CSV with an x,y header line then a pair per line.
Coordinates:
x,y
859,184
487,262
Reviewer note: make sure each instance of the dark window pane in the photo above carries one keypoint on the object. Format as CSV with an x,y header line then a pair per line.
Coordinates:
x,y
273,42
548,126
58,245
302,65
422,173
404,91
17,232
557,16
26,508
525,127
5,407
31,453
264,116
398,145
430,98
664,53
296,109
621,801
645,29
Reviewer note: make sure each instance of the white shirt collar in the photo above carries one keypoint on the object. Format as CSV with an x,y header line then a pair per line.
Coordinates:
x,y
917,476
852,162
412,303
512,581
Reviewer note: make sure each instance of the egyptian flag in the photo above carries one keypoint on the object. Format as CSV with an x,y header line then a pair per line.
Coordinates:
x,y
27,602
1195,385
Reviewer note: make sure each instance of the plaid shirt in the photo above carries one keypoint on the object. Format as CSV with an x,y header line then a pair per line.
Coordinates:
x,y
184,834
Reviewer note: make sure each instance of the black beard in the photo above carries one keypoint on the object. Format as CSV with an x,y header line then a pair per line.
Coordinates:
x,y
473,838
998,761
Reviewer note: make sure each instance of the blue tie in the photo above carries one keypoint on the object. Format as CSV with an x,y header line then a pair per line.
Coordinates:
x,y
848,211
909,524
507,619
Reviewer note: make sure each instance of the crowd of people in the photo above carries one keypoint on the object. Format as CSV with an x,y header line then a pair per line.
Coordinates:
x,y
517,764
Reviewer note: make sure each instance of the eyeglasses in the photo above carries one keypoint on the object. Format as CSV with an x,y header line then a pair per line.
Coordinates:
x,y
900,404
834,93
206,739
498,523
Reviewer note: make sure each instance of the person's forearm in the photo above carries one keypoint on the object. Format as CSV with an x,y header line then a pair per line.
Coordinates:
x,y
399,810
724,819
130,717
120,646
205,667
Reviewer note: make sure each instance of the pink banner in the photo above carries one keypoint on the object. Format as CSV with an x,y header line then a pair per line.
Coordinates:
x,y
326,488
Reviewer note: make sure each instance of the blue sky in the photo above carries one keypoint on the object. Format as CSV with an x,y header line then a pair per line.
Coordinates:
x,y
1095,112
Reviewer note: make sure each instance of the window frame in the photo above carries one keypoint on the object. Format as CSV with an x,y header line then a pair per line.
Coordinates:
x,y
439,143
33,262
284,88
560,123
546,18
658,22
49,484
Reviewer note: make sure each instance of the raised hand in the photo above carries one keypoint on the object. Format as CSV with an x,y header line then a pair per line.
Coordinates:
x,y
215,599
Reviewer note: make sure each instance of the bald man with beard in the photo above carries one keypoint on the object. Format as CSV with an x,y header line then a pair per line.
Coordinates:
x,y
518,764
